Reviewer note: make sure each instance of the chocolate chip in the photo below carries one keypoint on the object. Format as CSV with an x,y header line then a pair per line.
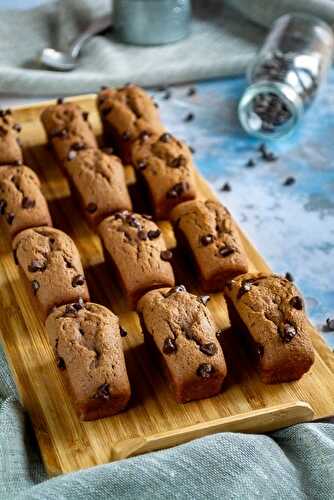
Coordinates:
x,y
297,303
210,349
71,155
226,187
103,392
289,181
204,299
219,335
3,205
126,136
205,370
177,162
78,146
18,163
10,218
265,154
189,117
289,277
177,190
330,325
91,207
250,163
81,331
28,202
85,115
60,100
122,332
61,363
155,104
166,255
78,280
17,127
70,311
132,221
142,235
144,136
244,288
167,95
207,239
36,266
35,286
191,91
142,165
169,346
153,234
175,289
59,133
165,137
287,333
225,251
192,150
79,305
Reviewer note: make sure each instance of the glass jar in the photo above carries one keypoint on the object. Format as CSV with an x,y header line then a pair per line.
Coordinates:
x,y
286,75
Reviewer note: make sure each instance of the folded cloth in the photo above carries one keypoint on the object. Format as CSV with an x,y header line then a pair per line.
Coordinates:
x,y
297,463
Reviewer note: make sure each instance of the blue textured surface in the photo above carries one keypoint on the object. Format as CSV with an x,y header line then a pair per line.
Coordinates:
x,y
291,226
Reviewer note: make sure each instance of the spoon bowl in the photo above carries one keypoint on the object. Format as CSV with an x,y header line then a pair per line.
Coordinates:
x,y
58,60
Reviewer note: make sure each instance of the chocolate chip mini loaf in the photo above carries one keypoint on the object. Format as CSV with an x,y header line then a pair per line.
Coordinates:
x,y
182,333
88,347
22,204
127,113
10,149
271,312
137,252
51,265
165,166
99,181
67,128
205,229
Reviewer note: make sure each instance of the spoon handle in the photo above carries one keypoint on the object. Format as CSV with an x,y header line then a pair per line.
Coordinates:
x,y
98,25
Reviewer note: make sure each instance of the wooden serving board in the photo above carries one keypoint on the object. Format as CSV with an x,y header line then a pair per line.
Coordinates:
x,y
153,420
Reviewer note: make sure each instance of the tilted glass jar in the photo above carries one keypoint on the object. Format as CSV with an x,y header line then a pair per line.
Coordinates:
x,y
286,75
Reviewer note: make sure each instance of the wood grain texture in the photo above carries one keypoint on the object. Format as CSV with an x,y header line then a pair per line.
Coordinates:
x,y
153,420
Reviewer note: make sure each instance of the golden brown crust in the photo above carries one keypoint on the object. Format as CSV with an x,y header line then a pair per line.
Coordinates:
x,y
273,313
10,149
51,264
209,233
99,181
184,334
88,347
67,128
138,252
166,166
22,203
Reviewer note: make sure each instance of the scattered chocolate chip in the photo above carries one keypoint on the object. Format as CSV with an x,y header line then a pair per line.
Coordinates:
x,y
28,202
78,146
210,349
142,165
265,154
60,100
144,136
289,276
205,370
297,303
61,363
91,207
169,346
155,104
177,162
78,280
250,163
17,127
226,187
175,289
191,91
81,331
122,332
70,311
166,255
177,190
71,155
126,136
287,333
207,239
142,235
165,137
85,115
330,324
103,392
219,335
244,288
36,266
79,305
153,234
132,221
35,286
10,218
192,150
204,299
225,251
189,117
3,205
59,133
167,95
289,181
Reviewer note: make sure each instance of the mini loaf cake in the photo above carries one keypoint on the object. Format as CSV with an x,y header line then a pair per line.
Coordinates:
x,y
137,252
165,166
99,182
181,331
271,312
88,347
206,230
50,263
67,128
22,204
126,113
10,149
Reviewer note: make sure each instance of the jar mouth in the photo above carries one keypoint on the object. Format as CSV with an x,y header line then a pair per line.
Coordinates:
x,y
254,122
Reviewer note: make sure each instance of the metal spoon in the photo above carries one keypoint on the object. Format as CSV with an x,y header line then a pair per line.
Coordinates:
x,y
66,61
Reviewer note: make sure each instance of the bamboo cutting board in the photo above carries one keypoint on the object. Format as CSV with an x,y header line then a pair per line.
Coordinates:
x,y
153,420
